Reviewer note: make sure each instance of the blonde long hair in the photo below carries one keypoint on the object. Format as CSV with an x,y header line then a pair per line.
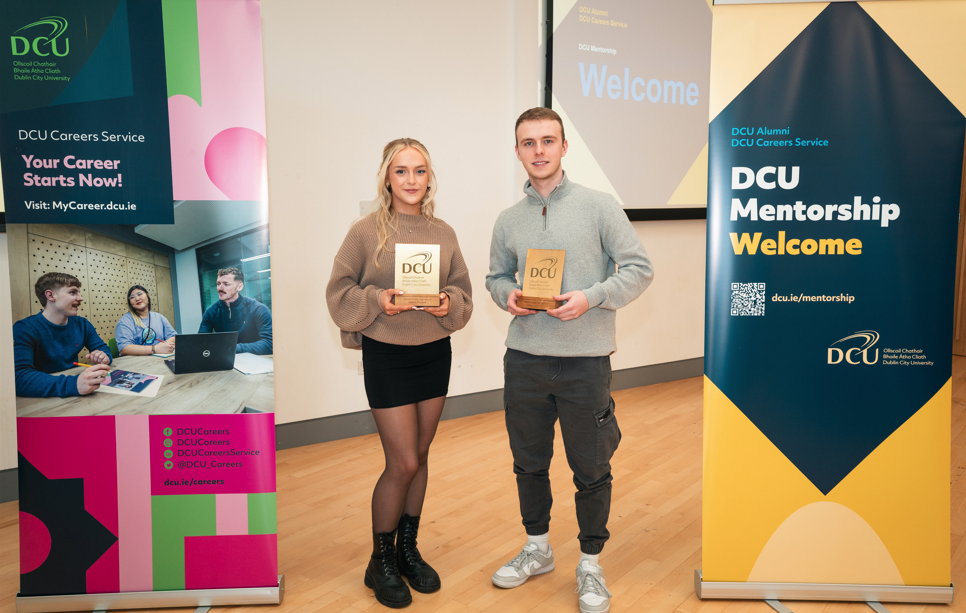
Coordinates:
x,y
387,222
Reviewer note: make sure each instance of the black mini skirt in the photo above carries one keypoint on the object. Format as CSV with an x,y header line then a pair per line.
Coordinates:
x,y
397,375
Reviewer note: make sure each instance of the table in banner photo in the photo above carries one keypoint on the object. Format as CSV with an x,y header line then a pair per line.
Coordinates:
x,y
136,502
226,391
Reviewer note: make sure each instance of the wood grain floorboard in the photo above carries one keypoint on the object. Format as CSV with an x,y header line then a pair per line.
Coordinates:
x,y
471,521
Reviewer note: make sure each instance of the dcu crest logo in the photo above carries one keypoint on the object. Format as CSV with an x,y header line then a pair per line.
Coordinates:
x,y
547,272
861,344
418,263
42,45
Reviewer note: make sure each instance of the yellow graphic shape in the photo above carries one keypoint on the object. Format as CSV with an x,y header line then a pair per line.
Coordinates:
x,y
746,38
694,186
750,488
580,163
930,32
901,491
825,542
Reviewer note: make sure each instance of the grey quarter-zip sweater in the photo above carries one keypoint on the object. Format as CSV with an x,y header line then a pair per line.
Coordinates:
x,y
604,258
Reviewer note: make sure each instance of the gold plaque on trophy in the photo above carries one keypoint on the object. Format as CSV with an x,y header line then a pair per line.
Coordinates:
x,y
542,279
417,274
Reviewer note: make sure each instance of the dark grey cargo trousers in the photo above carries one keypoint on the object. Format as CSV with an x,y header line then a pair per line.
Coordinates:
x,y
538,391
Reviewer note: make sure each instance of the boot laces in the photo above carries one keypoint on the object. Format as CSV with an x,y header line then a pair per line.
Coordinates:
x,y
389,558
408,546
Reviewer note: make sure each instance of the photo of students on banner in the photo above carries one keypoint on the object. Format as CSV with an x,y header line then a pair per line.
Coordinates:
x,y
121,294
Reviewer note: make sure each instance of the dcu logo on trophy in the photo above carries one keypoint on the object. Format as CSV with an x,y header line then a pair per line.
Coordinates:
x,y
858,352
422,267
548,272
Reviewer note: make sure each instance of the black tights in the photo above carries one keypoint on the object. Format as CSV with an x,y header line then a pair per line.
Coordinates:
x,y
406,433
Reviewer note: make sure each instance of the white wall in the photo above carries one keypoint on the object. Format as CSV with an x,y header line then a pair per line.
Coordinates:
x,y
8,401
344,79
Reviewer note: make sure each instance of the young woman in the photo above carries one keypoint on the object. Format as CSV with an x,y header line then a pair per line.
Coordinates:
x,y
406,355
143,331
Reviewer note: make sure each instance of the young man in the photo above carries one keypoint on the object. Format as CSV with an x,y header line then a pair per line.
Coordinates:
x,y
557,363
50,341
236,313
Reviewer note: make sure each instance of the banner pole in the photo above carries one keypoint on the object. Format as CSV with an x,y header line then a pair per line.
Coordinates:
x,y
847,592
153,599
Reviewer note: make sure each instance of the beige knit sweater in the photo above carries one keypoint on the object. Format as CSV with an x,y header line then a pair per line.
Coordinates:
x,y
356,284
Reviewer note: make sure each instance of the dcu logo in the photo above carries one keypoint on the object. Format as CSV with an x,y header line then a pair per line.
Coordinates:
x,y
545,273
422,267
867,338
42,45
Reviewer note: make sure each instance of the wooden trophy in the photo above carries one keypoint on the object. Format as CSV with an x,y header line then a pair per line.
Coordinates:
x,y
417,274
542,279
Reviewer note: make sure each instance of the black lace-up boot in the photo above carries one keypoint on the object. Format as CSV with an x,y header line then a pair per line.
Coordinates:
x,y
421,575
382,574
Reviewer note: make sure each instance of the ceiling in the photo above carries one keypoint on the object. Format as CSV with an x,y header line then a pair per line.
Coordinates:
x,y
197,221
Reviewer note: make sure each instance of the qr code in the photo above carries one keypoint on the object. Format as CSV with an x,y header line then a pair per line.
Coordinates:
x,y
747,298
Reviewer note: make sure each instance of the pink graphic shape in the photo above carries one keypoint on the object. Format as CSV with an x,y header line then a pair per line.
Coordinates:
x,y
232,96
239,461
231,514
102,576
34,543
134,503
216,562
76,448
236,161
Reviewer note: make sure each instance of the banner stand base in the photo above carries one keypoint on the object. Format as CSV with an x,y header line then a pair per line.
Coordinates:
x,y
778,607
152,600
739,590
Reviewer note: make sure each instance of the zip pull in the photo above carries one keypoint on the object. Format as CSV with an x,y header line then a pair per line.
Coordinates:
x,y
544,210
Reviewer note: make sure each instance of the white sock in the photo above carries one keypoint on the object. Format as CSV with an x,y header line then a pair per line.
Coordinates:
x,y
542,541
588,557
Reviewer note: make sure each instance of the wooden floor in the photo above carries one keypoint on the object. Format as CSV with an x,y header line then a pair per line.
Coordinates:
x,y
471,523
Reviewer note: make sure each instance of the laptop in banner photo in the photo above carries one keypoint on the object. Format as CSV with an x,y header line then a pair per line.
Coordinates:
x,y
204,352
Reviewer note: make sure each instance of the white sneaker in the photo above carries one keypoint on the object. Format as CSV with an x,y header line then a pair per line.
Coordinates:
x,y
593,595
529,562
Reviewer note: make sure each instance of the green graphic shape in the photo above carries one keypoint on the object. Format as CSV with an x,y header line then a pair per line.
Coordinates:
x,y
59,25
168,442
167,432
172,519
182,59
169,465
262,514
168,453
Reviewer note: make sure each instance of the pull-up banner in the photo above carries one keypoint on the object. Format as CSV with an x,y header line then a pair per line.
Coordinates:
x,y
836,155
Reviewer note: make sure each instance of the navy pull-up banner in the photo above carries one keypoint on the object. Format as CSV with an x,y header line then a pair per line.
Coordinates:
x,y
84,113
834,188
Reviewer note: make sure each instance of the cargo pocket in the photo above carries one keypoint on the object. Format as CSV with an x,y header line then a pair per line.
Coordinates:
x,y
608,434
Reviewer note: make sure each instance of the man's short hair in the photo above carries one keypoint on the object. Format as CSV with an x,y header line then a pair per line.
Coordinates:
x,y
232,271
53,281
537,114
